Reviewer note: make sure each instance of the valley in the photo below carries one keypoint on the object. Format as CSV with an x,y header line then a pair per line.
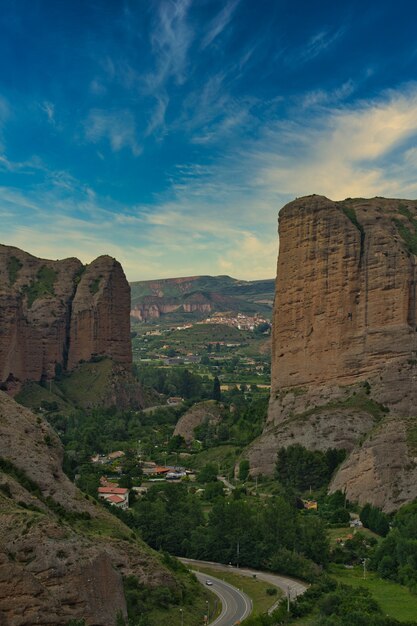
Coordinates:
x,y
206,434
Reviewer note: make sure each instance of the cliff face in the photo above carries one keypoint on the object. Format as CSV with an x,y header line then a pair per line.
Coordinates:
x,y
62,558
100,322
153,307
344,333
54,314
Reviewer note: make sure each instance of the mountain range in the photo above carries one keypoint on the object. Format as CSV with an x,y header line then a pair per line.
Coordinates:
x,y
199,296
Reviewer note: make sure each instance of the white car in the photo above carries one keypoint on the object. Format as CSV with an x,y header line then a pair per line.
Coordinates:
x,y
209,583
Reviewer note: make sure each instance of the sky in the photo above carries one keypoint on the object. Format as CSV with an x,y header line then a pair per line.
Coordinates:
x,y
169,133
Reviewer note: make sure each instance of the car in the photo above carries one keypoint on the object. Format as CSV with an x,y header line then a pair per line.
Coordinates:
x,y
209,583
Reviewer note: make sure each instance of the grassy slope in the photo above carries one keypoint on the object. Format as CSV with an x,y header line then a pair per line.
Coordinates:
x,y
32,395
87,383
193,615
225,456
84,386
204,333
221,284
395,600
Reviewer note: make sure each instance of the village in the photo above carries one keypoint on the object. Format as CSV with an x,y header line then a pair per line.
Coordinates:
x,y
118,496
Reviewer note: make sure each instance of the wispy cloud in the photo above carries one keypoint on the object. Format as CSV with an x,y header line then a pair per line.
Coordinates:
x,y
321,97
171,39
318,43
31,165
212,113
219,23
117,127
49,109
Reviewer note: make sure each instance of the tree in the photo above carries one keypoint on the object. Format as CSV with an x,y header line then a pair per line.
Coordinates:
x,y
262,328
217,394
244,468
300,468
176,443
208,473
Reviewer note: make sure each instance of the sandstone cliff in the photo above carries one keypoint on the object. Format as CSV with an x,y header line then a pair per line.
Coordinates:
x,y
54,314
62,557
344,341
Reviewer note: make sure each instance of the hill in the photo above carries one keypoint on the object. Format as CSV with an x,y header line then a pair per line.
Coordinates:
x,y
64,557
198,296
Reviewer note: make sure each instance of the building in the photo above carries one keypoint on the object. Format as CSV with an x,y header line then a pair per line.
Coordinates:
x,y
310,505
116,496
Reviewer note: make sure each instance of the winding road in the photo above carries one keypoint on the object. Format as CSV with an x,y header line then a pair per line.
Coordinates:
x,y
235,602
236,605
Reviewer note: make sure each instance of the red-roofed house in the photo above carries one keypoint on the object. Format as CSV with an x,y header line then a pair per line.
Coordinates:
x,y
117,496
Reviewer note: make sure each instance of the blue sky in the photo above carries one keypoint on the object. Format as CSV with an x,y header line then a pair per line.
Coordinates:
x,y
169,133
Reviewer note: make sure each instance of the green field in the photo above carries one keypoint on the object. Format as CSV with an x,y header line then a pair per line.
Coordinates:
x,y
344,531
224,456
395,600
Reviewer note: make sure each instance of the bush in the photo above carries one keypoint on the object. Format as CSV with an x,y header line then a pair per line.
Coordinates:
x,y
288,562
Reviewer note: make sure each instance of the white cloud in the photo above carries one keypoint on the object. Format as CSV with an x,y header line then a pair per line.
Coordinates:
x,y
351,151
117,127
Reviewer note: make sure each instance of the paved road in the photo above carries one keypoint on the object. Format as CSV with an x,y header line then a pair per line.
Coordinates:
x,y
290,586
236,605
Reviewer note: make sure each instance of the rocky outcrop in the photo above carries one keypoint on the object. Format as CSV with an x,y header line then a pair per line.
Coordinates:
x,y
383,470
54,314
152,307
208,412
344,344
100,321
61,556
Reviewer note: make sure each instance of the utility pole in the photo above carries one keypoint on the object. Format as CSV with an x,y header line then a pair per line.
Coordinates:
x,y
182,617
288,598
237,553
364,567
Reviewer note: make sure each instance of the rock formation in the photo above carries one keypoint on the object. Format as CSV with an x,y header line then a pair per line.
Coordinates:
x,y
62,557
208,412
54,314
344,347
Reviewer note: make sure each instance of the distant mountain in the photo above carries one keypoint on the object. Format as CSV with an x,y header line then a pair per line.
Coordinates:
x,y
198,296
